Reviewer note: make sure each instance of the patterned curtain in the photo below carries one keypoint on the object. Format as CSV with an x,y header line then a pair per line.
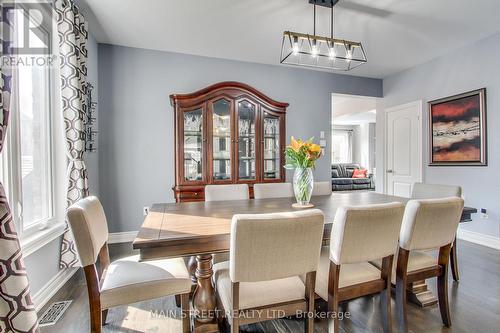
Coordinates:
x,y
17,313
73,35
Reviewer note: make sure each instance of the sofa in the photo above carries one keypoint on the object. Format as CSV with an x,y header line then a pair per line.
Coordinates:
x,y
342,178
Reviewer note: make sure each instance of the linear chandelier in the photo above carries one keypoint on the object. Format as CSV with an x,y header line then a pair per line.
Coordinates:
x,y
322,52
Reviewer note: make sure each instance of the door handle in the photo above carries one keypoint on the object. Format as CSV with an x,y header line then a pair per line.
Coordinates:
x,y
389,171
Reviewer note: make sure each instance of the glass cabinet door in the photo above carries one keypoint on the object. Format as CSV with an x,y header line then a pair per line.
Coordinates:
x,y
271,149
221,140
246,140
193,145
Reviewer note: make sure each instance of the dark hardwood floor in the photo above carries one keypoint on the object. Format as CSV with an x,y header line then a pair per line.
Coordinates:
x,y
474,302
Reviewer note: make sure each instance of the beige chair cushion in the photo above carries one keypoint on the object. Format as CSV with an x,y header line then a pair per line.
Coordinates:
x,y
430,223
350,274
89,227
256,294
364,233
274,246
273,190
417,260
226,192
128,280
433,191
322,188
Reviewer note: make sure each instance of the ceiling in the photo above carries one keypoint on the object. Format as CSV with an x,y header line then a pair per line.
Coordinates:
x,y
396,34
346,105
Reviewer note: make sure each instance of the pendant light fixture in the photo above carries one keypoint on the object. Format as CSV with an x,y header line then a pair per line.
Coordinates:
x,y
318,51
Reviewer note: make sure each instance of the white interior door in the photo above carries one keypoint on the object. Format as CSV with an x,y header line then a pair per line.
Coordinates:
x,y
404,148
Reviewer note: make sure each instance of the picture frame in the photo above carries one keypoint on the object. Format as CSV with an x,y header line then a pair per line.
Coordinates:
x,y
457,130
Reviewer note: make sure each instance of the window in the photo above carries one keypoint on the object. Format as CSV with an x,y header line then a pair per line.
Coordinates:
x,y
28,163
341,146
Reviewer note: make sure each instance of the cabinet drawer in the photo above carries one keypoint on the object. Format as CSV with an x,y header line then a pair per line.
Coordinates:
x,y
192,195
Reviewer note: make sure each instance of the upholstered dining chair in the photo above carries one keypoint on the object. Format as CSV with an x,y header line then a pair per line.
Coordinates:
x,y
427,224
226,192
359,234
435,191
268,254
322,188
273,190
126,280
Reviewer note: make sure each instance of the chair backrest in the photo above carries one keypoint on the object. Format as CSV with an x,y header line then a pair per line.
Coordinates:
x,y
273,190
430,223
90,229
434,191
322,188
273,246
226,192
365,233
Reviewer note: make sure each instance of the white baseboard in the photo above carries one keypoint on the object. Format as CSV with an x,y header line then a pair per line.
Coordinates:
x,y
122,237
52,287
477,238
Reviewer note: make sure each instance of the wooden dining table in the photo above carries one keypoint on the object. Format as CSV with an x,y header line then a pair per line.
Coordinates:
x,y
200,229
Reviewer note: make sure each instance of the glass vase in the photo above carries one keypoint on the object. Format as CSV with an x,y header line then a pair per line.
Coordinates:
x,y
303,183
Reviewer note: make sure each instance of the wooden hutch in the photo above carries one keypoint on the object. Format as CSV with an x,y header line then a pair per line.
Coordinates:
x,y
227,133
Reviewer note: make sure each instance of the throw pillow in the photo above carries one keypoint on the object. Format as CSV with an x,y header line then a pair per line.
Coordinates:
x,y
359,173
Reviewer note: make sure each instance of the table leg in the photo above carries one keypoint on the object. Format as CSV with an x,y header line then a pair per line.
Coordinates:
x,y
454,261
419,294
204,303
192,264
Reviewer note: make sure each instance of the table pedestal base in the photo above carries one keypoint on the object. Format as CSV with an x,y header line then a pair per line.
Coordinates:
x,y
204,303
419,294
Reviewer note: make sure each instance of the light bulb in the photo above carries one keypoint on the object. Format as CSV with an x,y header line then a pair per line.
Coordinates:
x,y
314,49
348,55
332,54
295,47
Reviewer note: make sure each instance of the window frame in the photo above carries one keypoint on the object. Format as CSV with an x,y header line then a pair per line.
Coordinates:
x,y
35,235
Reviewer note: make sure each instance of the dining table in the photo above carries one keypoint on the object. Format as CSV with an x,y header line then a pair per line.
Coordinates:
x,y
201,229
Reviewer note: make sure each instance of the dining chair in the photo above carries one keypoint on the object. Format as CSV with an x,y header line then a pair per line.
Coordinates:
x,y
322,188
428,224
123,281
273,190
359,234
268,254
226,192
435,191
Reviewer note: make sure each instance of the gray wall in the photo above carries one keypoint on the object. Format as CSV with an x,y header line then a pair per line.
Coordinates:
x,y
136,162
472,67
92,158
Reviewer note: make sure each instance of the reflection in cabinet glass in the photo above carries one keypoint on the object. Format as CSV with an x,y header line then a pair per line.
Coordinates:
x,y
228,133
272,149
246,140
221,145
193,145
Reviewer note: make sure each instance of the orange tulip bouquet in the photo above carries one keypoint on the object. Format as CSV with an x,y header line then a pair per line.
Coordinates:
x,y
301,156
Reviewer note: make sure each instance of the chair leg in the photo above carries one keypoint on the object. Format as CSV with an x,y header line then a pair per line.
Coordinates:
x,y
186,319
178,301
310,286
401,284
104,315
95,321
333,298
442,284
385,295
235,325
454,261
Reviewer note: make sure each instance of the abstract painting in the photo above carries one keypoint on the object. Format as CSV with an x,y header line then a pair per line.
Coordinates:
x,y
458,129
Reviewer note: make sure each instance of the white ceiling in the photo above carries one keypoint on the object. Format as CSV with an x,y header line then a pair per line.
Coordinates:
x,y
396,34
346,105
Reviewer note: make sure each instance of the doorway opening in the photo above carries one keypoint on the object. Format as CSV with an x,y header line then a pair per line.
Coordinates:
x,y
354,121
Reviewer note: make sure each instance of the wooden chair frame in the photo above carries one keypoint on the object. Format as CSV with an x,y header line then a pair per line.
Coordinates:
x,y
337,295
271,311
95,278
403,278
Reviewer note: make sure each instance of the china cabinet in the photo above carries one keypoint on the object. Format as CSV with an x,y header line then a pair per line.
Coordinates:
x,y
227,133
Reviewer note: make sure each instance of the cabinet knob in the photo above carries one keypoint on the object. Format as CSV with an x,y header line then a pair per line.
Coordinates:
x,y
195,193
